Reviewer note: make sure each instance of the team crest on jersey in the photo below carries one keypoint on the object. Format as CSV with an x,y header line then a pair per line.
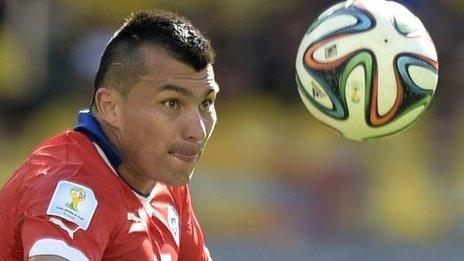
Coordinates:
x,y
73,202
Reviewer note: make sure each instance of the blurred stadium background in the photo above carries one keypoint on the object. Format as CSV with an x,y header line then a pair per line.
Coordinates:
x,y
274,183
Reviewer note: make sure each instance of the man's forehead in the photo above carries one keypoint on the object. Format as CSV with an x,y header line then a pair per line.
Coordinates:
x,y
184,82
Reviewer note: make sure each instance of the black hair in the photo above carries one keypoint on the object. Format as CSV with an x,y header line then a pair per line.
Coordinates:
x,y
122,62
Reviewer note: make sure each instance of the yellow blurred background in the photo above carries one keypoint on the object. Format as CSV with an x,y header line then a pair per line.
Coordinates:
x,y
274,184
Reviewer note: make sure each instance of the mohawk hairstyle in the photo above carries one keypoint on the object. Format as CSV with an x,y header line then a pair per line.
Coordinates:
x,y
122,63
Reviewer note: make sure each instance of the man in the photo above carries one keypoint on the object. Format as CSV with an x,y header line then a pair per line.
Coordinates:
x,y
116,188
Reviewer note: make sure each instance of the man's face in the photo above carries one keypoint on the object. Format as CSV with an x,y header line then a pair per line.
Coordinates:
x,y
167,118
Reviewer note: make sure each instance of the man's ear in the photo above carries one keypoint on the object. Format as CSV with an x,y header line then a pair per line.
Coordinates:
x,y
109,105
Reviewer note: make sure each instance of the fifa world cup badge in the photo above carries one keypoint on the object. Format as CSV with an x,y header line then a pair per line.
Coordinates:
x,y
73,202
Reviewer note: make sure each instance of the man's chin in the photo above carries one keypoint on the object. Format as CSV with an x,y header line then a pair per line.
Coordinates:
x,y
179,179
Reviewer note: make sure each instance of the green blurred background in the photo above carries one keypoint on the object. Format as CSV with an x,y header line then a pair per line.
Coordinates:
x,y
274,183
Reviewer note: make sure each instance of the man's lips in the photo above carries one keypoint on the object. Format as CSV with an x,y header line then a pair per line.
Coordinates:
x,y
187,157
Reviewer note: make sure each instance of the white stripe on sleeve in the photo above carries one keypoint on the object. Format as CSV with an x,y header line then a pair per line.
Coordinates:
x,y
48,246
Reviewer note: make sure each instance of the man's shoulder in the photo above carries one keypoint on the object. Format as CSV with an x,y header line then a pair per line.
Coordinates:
x,y
64,146
68,154
69,157
63,177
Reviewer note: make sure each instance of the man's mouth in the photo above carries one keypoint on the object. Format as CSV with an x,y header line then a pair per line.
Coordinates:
x,y
187,157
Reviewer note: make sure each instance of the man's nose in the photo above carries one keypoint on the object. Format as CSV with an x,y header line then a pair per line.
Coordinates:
x,y
195,129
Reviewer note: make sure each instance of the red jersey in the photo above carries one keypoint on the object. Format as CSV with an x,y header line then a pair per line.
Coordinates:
x,y
67,200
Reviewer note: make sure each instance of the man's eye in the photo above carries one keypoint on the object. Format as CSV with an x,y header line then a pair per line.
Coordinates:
x,y
172,104
206,104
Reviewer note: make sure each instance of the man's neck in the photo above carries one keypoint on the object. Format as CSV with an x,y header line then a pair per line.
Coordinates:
x,y
141,186
134,178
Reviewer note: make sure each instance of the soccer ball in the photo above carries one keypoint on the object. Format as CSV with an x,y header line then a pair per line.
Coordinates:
x,y
367,68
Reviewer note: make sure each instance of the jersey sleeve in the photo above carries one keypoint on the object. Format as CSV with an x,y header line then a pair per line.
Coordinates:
x,y
192,243
67,219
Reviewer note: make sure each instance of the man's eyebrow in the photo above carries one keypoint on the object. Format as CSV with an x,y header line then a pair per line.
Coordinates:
x,y
210,91
183,90
178,89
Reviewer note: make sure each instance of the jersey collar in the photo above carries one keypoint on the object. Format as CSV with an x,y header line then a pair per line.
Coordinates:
x,y
89,125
